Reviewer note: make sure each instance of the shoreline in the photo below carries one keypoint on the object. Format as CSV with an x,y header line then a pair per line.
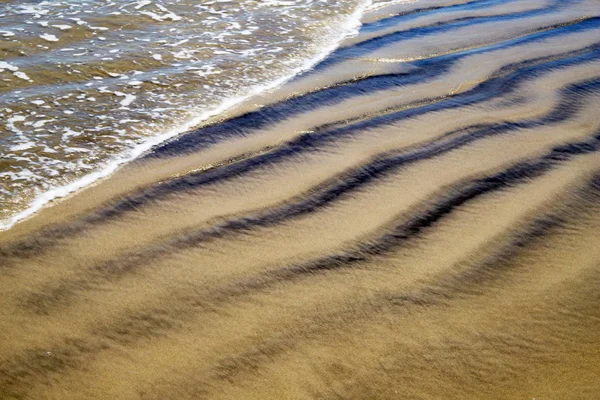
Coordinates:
x,y
54,194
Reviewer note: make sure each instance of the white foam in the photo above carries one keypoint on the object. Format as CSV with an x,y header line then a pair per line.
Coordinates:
x,y
129,98
62,27
348,28
32,9
142,3
22,146
48,37
22,75
68,132
41,123
10,67
10,124
381,4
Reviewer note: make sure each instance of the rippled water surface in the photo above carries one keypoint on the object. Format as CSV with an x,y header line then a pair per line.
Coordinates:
x,y
84,84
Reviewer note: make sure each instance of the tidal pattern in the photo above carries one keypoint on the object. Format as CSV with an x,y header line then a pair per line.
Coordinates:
x,y
416,217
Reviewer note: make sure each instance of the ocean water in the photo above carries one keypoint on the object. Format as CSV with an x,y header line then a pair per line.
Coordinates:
x,y
88,85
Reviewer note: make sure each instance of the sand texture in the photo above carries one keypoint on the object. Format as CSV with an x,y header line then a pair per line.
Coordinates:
x,y
418,217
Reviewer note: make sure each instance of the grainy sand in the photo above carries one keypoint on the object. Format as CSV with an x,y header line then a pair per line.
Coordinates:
x,y
416,218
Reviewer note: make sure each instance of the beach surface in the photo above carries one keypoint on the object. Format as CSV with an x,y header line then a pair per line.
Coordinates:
x,y
415,217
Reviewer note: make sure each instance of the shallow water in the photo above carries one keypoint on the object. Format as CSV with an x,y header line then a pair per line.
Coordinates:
x,y
84,84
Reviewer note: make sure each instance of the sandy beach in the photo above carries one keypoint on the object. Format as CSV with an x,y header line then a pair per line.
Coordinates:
x,y
416,217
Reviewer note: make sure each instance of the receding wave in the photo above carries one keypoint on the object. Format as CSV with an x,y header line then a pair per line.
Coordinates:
x,y
101,84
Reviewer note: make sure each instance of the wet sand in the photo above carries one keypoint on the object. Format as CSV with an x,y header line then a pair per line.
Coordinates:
x,y
416,218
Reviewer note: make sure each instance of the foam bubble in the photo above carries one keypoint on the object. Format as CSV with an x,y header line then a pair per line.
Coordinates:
x,y
8,66
49,37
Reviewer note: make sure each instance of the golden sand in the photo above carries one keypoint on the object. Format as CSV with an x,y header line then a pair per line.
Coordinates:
x,y
417,218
